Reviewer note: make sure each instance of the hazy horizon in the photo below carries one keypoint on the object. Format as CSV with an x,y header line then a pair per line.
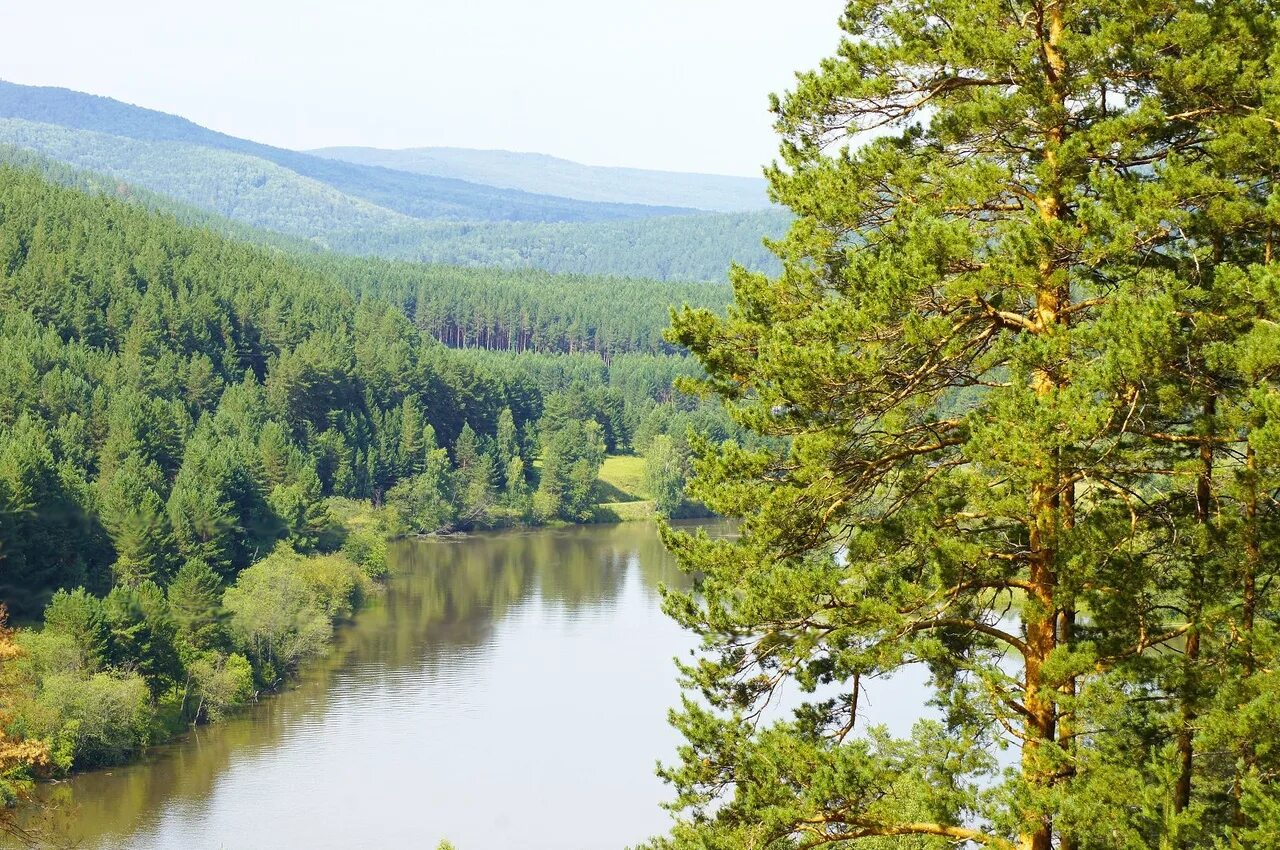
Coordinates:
x,y
681,88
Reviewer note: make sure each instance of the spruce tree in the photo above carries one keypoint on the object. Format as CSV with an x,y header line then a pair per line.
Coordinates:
x,y
1021,363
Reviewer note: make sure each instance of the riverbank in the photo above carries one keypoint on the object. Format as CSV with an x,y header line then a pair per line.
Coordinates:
x,y
104,678
500,661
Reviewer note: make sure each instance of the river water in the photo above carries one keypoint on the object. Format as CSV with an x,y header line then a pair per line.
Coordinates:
x,y
507,692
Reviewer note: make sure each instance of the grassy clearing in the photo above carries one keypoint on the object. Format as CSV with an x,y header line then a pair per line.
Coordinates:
x,y
624,512
621,479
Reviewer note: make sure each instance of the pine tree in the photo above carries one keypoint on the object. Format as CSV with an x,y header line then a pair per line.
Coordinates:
x,y
202,509
195,599
78,614
411,451
135,515
425,503
143,634
507,443
1023,359
466,451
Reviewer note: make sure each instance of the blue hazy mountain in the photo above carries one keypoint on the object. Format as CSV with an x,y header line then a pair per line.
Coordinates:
x,y
364,208
536,172
416,195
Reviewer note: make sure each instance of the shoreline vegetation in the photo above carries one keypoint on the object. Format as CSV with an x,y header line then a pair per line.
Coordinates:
x,y
105,678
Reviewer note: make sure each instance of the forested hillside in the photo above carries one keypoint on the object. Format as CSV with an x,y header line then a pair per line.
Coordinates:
x,y
371,210
535,172
173,395
185,421
417,195
517,310
672,248
96,183
526,310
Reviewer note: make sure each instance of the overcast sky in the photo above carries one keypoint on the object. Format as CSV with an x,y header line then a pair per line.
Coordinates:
x,y
671,84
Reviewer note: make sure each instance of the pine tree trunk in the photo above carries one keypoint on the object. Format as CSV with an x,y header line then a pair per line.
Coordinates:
x,y
1041,622
1046,497
1191,654
1248,614
1252,561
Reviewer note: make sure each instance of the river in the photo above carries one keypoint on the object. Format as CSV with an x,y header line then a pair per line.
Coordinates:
x,y
506,692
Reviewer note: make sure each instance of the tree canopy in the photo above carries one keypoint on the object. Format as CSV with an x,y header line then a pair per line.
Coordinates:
x,y
1024,355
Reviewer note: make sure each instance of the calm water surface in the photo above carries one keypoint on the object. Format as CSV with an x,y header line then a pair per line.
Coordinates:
x,y
508,692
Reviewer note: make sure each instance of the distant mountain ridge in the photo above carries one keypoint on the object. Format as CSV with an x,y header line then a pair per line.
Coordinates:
x,y
417,195
374,210
545,174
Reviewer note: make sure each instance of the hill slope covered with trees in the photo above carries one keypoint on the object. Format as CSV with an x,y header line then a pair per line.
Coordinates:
x,y
367,209
535,172
417,195
185,420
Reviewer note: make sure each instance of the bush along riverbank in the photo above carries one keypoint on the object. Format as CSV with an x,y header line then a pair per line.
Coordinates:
x,y
106,676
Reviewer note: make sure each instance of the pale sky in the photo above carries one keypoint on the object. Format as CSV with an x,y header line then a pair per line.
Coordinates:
x,y
671,84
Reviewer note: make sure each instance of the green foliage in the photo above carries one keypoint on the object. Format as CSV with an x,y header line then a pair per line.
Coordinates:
x,y
59,544
221,683
135,515
142,635
572,452
664,475
1019,376
425,503
79,616
48,651
526,311
368,549
669,248
301,510
95,720
278,616
195,601
107,676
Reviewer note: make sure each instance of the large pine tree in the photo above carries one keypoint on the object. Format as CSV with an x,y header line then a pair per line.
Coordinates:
x,y
1023,354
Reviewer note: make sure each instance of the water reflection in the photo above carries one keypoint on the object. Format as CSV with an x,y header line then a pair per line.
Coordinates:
x,y
507,691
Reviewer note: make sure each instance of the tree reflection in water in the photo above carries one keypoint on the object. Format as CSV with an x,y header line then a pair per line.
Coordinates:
x,y
505,667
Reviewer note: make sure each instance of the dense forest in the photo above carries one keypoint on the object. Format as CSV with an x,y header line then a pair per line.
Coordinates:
x,y
463,307
136,343
231,184
95,183
669,248
525,310
188,425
